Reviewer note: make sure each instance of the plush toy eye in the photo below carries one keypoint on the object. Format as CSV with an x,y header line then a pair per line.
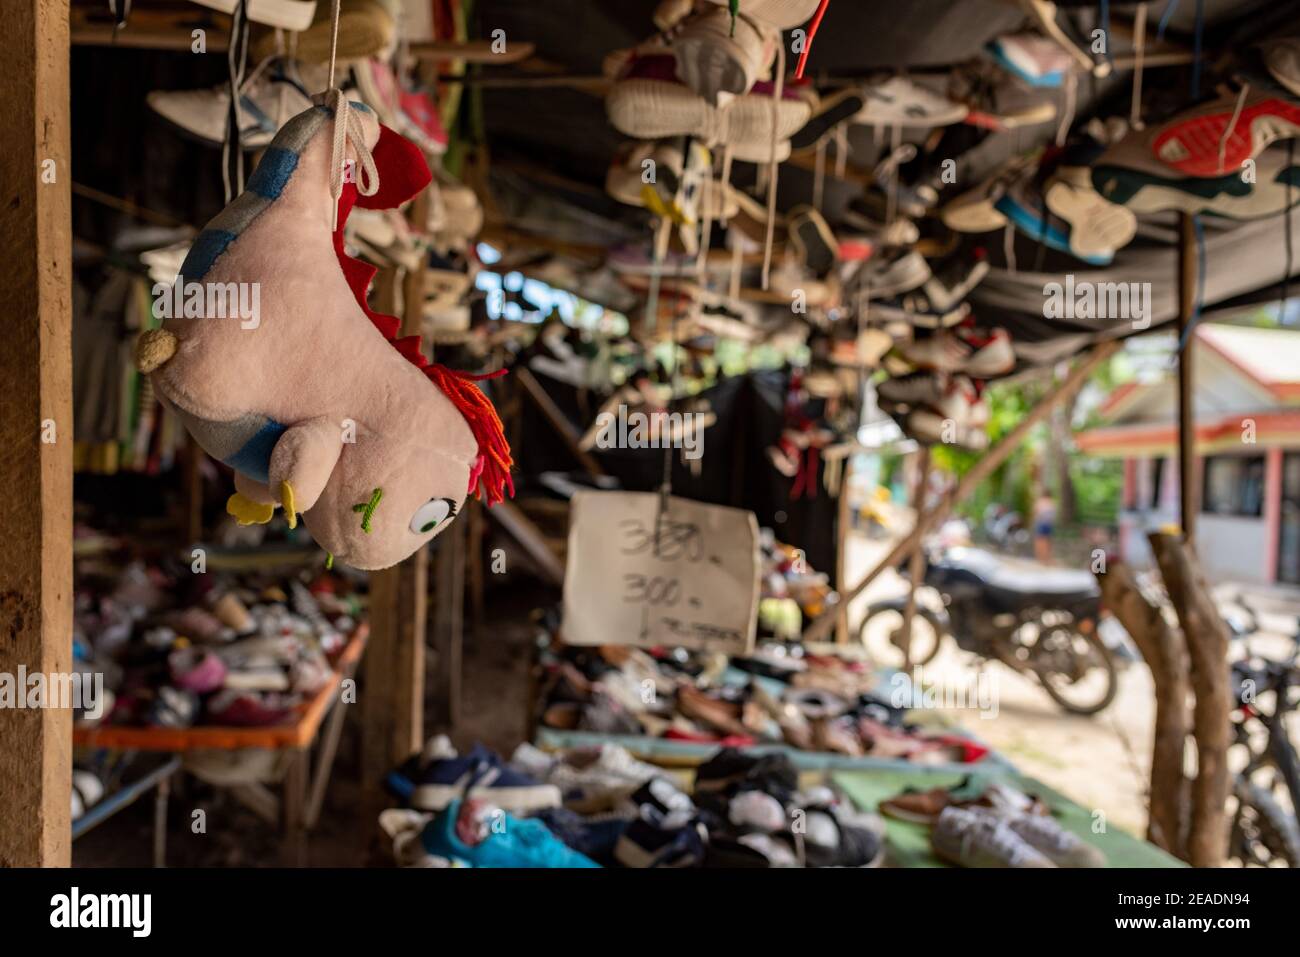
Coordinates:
x,y
432,514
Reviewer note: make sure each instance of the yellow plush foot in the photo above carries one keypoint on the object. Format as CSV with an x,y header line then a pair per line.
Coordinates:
x,y
286,500
248,512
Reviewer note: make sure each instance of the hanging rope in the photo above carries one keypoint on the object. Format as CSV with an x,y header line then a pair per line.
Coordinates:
x,y
1139,58
232,149
778,91
1232,125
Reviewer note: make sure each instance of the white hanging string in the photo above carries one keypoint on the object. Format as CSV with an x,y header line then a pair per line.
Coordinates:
x,y
777,92
1232,125
1139,61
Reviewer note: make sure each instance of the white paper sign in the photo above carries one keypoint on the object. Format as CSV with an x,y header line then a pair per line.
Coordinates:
x,y
695,583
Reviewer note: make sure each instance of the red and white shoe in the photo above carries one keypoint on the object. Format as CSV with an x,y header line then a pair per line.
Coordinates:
x,y
1217,137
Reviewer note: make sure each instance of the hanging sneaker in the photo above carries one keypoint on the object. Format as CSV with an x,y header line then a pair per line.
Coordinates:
x,y
649,102
783,14
366,28
1097,226
1025,207
1147,187
813,241
899,101
1218,136
832,110
1282,59
714,57
1031,58
970,839
271,95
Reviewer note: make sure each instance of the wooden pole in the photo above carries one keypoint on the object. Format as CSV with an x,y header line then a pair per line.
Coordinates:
x,y
1188,490
822,625
1207,645
448,625
562,426
36,430
1166,655
844,525
393,704
916,565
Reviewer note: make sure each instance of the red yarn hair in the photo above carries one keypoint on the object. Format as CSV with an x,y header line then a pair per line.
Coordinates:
x,y
403,173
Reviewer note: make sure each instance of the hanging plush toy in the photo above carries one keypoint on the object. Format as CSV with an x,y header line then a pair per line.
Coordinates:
x,y
272,359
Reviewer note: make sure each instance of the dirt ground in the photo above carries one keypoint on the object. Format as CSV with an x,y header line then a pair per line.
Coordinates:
x,y
1101,762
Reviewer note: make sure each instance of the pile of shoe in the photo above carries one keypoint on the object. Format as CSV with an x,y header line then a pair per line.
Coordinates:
x,y
987,823
177,649
779,694
600,807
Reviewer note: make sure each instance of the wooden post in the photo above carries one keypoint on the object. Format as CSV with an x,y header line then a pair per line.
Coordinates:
x,y
916,565
448,625
1207,645
844,525
1166,655
994,457
557,420
393,703
1188,480
36,429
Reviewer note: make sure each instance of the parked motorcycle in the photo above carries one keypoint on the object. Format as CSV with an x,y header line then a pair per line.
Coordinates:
x,y
1039,620
1266,791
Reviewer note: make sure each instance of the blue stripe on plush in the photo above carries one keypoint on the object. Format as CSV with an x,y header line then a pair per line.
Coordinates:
x,y
254,459
273,172
208,245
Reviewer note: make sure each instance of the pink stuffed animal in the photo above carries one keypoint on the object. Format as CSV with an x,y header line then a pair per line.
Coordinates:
x,y
309,396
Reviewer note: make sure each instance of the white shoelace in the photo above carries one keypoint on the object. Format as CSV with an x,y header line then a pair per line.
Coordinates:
x,y
348,129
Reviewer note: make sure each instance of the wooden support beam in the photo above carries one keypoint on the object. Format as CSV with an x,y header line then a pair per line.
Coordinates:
x,y
530,538
36,429
448,626
824,623
1188,481
1166,655
916,565
1207,646
557,419
843,528
393,704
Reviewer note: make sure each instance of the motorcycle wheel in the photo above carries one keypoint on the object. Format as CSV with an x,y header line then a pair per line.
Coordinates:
x,y
1083,649
927,634
1262,834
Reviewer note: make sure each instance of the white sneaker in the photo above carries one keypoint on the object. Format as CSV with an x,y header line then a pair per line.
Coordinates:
x,y
599,778
1060,846
271,96
969,839
900,102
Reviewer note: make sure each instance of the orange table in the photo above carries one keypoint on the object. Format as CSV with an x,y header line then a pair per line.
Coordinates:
x,y
300,804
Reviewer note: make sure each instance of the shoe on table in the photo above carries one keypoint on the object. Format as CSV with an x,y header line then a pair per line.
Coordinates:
x,y
432,784
677,838
479,834
1062,847
974,791
970,839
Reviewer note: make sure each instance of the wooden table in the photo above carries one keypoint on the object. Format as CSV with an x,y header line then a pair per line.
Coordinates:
x,y
298,809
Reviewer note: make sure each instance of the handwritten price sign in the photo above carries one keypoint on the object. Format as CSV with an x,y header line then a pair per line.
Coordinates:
x,y
689,577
